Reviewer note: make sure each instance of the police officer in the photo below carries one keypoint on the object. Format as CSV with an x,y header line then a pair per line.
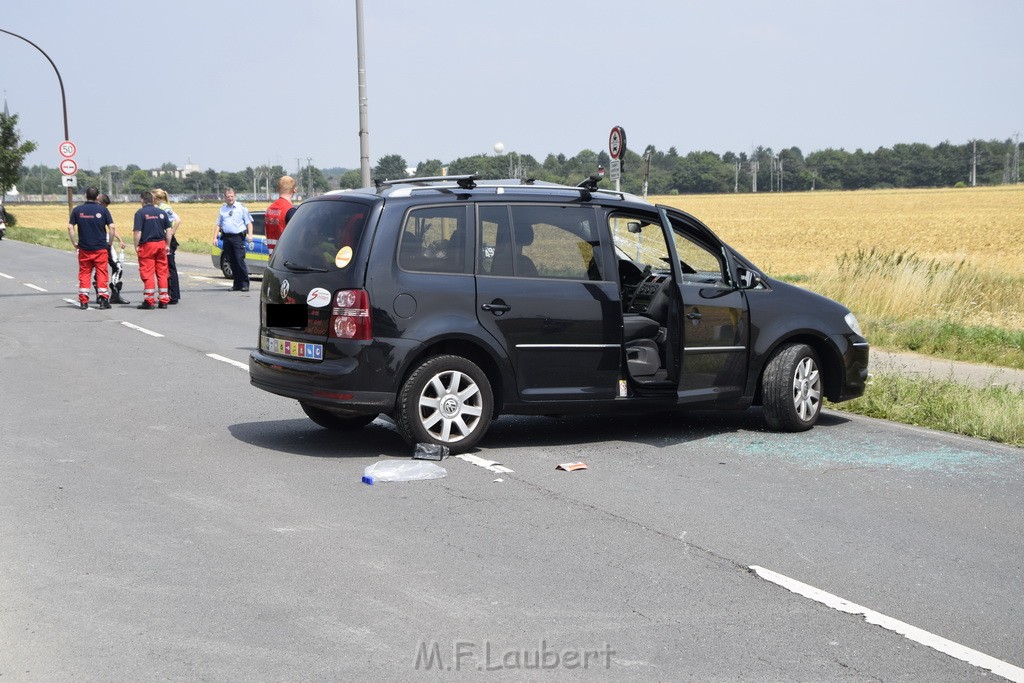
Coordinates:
x,y
233,222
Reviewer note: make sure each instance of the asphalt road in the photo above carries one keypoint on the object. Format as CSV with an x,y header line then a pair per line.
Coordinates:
x,y
161,518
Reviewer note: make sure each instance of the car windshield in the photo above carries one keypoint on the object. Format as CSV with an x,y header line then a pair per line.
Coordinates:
x,y
321,236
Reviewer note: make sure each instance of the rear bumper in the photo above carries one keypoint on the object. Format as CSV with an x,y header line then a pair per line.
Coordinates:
x,y
323,384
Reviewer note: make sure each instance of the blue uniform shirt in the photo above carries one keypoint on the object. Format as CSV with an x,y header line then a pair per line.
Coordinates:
x,y
151,222
92,219
233,219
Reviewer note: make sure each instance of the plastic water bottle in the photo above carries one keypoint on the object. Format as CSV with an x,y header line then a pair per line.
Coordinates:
x,y
120,256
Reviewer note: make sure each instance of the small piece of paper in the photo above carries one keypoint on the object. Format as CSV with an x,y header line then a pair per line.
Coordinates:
x,y
572,466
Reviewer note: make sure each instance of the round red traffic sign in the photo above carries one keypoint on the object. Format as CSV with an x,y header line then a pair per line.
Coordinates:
x,y
617,142
67,149
68,167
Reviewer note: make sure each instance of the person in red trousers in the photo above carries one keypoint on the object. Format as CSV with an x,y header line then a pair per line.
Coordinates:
x,y
152,246
92,221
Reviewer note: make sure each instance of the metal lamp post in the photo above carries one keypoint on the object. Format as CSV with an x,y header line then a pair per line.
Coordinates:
x,y
63,99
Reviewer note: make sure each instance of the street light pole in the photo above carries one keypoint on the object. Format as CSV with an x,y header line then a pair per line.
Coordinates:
x,y
364,126
63,100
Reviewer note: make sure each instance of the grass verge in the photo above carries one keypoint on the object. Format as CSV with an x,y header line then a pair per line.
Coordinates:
x,y
993,414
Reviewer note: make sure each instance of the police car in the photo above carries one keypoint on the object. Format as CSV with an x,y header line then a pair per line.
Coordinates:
x,y
255,258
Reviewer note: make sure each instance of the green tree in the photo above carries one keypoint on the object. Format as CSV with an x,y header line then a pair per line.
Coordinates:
x,y
390,167
429,168
12,151
350,180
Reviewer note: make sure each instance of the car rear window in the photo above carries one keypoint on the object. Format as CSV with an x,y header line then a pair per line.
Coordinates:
x,y
322,235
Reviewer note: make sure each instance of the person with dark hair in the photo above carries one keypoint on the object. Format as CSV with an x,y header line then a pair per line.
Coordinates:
x,y
152,245
232,221
92,220
116,269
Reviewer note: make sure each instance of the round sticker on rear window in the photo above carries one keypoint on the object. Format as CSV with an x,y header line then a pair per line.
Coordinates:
x,y
319,298
343,257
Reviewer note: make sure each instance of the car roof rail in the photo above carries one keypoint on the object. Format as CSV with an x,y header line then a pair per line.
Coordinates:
x,y
466,182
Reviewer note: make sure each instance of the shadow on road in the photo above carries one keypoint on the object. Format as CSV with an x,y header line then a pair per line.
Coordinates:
x,y
660,430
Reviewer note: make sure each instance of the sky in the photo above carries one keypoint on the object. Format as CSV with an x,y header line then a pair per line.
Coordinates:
x,y
227,84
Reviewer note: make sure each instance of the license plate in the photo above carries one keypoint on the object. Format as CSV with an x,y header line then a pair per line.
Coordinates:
x,y
288,347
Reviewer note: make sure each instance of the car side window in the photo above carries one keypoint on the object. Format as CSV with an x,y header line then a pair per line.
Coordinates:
x,y
552,242
433,240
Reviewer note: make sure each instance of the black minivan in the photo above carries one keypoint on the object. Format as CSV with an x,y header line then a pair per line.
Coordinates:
x,y
444,302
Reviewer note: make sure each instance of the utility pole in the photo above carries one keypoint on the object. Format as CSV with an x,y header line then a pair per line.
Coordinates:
x,y
736,185
754,166
309,174
1015,169
974,163
364,126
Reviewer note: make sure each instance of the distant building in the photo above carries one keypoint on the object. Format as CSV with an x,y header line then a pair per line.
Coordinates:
x,y
183,172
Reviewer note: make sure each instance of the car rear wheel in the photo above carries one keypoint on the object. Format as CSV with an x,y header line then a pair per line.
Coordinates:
x,y
333,421
225,267
791,389
446,400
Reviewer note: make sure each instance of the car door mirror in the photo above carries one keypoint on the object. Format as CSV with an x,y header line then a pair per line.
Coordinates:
x,y
634,227
749,279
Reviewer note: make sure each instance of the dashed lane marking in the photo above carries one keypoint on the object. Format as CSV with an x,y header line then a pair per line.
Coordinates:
x,y
151,333
9,277
961,652
38,289
489,465
228,360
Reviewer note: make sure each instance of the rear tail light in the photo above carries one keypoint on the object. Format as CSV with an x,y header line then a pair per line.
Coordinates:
x,y
350,317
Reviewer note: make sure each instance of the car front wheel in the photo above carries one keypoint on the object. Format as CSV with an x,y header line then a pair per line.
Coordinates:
x,y
446,400
792,389
225,267
333,421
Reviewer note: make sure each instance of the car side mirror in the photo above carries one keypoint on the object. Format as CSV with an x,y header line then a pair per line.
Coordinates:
x,y
749,279
634,227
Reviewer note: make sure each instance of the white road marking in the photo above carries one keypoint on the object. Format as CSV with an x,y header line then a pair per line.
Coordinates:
x,y
9,277
961,652
72,301
40,289
151,333
228,360
489,465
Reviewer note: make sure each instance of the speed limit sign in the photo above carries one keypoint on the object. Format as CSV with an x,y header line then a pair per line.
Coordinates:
x,y
68,149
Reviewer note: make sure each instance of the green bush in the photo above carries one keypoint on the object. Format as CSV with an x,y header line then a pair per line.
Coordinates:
x,y
11,220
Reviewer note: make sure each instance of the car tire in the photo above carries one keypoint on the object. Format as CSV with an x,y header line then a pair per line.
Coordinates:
x,y
225,267
335,422
446,400
791,389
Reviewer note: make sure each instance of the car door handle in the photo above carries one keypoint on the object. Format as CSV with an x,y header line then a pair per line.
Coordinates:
x,y
495,307
694,315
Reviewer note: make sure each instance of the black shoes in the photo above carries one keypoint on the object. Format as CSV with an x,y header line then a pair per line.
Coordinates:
x,y
116,298
84,305
104,303
161,305
244,289
173,301
146,306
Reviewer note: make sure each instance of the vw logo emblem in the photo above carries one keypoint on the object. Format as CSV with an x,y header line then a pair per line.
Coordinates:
x,y
284,289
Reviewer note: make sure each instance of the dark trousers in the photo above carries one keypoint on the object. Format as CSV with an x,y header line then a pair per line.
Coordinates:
x,y
234,250
172,274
